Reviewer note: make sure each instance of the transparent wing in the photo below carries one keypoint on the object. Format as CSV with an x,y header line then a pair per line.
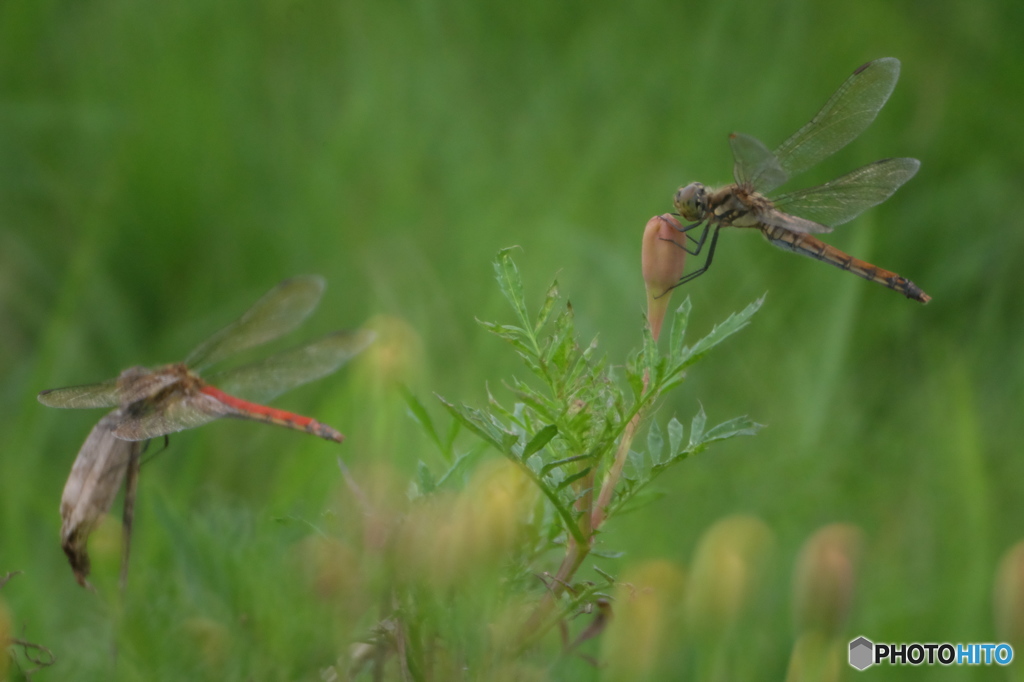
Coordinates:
x,y
845,116
846,197
264,380
793,223
753,165
92,484
130,386
152,420
277,313
106,394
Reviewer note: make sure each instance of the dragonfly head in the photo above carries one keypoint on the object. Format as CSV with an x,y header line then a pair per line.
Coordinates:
x,y
692,201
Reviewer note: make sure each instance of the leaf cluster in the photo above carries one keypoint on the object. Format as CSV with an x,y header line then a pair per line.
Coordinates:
x,y
565,425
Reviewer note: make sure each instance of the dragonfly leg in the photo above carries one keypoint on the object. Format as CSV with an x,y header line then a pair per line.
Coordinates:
x,y
707,262
698,242
694,251
152,455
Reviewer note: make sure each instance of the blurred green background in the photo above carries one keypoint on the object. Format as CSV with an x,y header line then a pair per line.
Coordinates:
x,y
162,165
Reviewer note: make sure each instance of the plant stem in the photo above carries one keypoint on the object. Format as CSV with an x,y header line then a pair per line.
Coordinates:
x,y
615,472
575,552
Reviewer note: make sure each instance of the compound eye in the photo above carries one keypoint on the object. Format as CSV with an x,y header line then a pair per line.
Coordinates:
x,y
689,201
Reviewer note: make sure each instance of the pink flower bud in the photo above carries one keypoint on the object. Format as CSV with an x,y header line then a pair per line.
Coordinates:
x,y
662,261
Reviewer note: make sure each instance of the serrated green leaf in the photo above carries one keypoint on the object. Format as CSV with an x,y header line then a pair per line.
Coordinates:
x,y
740,426
419,414
511,284
571,479
540,439
635,467
449,440
668,386
650,352
517,336
462,462
535,463
427,482
680,319
581,366
720,333
635,378
606,555
510,331
545,310
479,423
509,441
675,436
563,341
697,427
655,442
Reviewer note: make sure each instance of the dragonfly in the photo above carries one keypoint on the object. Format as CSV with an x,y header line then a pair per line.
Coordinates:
x,y
789,221
155,402
151,403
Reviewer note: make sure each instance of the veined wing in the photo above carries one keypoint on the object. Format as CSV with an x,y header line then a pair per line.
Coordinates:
x,y
842,199
106,394
99,468
845,115
281,310
131,385
262,381
152,420
753,165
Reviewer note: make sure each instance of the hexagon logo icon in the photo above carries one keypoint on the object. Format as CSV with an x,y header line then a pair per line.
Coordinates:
x,y
861,650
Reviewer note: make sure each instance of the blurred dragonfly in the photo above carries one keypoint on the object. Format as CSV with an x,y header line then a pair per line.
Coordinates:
x,y
788,221
156,402
152,403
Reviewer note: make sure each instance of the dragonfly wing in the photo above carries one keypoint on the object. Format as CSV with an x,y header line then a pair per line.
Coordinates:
x,y
130,386
106,394
92,484
262,381
753,165
846,197
792,223
845,116
281,310
152,420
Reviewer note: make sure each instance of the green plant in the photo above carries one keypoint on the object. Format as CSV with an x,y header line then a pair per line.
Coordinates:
x,y
571,431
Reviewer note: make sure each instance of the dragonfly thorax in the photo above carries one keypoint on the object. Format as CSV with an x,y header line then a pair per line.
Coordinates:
x,y
137,384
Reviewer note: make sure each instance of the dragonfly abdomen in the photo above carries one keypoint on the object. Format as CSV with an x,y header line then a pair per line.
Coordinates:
x,y
271,415
812,247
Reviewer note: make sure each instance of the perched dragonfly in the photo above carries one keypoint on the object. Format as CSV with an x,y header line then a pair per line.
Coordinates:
x,y
156,402
788,221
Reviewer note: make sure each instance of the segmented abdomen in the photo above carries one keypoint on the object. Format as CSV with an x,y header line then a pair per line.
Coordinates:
x,y
807,245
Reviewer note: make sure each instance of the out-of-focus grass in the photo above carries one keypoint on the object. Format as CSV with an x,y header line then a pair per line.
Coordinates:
x,y
160,166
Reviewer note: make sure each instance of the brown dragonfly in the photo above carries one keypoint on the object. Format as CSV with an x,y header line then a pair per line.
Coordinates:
x,y
152,403
789,220
156,402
